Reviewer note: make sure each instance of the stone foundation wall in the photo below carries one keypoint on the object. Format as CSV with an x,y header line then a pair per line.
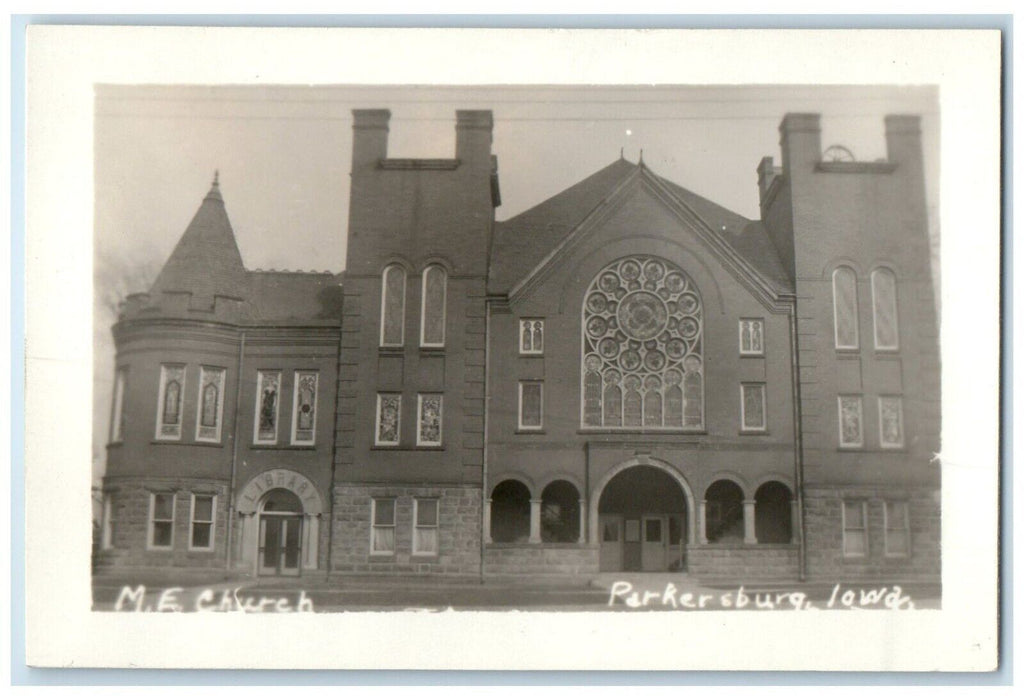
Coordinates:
x,y
458,531
540,559
824,527
739,563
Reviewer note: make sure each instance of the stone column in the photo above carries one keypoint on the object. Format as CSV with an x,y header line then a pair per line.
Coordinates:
x,y
749,534
794,521
702,523
583,522
535,520
487,521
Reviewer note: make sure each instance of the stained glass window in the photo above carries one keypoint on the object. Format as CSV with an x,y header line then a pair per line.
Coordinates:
x,y
161,520
890,421
304,408
268,391
642,347
424,535
897,528
855,528
751,336
851,422
531,405
430,409
531,336
117,411
172,380
389,412
203,508
382,536
432,316
392,307
883,292
211,391
844,297
753,407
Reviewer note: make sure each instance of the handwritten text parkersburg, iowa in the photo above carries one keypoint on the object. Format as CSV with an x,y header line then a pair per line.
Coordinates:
x,y
671,598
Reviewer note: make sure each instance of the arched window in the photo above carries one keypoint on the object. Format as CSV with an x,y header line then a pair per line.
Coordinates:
x,y
642,348
560,513
723,515
773,513
844,300
432,314
510,512
210,402
392,307
883,295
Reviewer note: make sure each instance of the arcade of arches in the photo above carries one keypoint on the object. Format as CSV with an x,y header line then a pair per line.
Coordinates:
x,y
644,517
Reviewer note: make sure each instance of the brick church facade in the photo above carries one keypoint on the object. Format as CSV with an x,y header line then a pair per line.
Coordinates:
x,y
626,377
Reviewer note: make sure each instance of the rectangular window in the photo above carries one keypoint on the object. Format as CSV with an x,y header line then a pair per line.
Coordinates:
x,y
117,410
389,419
897,529
531,405
304,408
161,520
168,408
531,336
752,336
382,536
890,422
204,510
106,524
268,393
429,409
211,404
424,534
753,407
855,528
851,422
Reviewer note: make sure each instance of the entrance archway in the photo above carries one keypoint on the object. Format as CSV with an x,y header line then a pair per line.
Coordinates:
x,y
280,534
642,518
279,523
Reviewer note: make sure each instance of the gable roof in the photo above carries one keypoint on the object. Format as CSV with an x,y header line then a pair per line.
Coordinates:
x,y
206,261
522,242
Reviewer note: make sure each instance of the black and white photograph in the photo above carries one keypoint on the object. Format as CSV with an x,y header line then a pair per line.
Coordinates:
x,y
614,354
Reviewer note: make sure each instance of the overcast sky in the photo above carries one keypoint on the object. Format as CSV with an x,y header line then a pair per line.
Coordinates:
x,y
284,154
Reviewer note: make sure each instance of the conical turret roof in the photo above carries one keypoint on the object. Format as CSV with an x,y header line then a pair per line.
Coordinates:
x,y
206,261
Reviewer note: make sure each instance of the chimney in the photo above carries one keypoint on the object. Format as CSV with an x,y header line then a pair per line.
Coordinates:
x,y
369,136
903,140
766,174
473,130
800,138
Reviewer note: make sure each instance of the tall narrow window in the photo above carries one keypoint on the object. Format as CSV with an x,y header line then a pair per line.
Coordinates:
x,y
203,515
107,522
531,336
844,300
389,419
304,408
424,534
642,361
890,421
392,307
433,312
429,414
752,407
161,520
168,415
897,529
883,293
382,535
851,421
855,528
531,405
752,336
268,393
117,410
211,404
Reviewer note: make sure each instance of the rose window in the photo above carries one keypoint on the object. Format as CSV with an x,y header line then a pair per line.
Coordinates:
x,y
642,355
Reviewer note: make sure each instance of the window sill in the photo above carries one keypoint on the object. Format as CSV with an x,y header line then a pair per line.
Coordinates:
x,y
409,448
530,354
642,431
754,431
751,355
185,443
114,444
887,352
429,351
848,353
531,431
396,350
201,550
426,557
379,557
300,448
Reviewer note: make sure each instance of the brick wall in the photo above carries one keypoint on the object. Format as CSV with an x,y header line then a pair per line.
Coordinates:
x,y
458,531
540,559
742,563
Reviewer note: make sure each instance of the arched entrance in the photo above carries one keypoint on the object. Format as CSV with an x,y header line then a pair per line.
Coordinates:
x,y
279,529
642,518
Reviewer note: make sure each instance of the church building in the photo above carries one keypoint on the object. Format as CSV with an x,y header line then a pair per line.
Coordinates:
x,y
625,377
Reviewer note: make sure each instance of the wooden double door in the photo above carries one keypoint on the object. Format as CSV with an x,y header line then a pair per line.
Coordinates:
x,y
644,542
280,551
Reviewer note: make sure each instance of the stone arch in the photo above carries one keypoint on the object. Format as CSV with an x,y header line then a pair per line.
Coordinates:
x,y
729,475
510,511
593,533
773,476
250,508
562,476
513,476
307,492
